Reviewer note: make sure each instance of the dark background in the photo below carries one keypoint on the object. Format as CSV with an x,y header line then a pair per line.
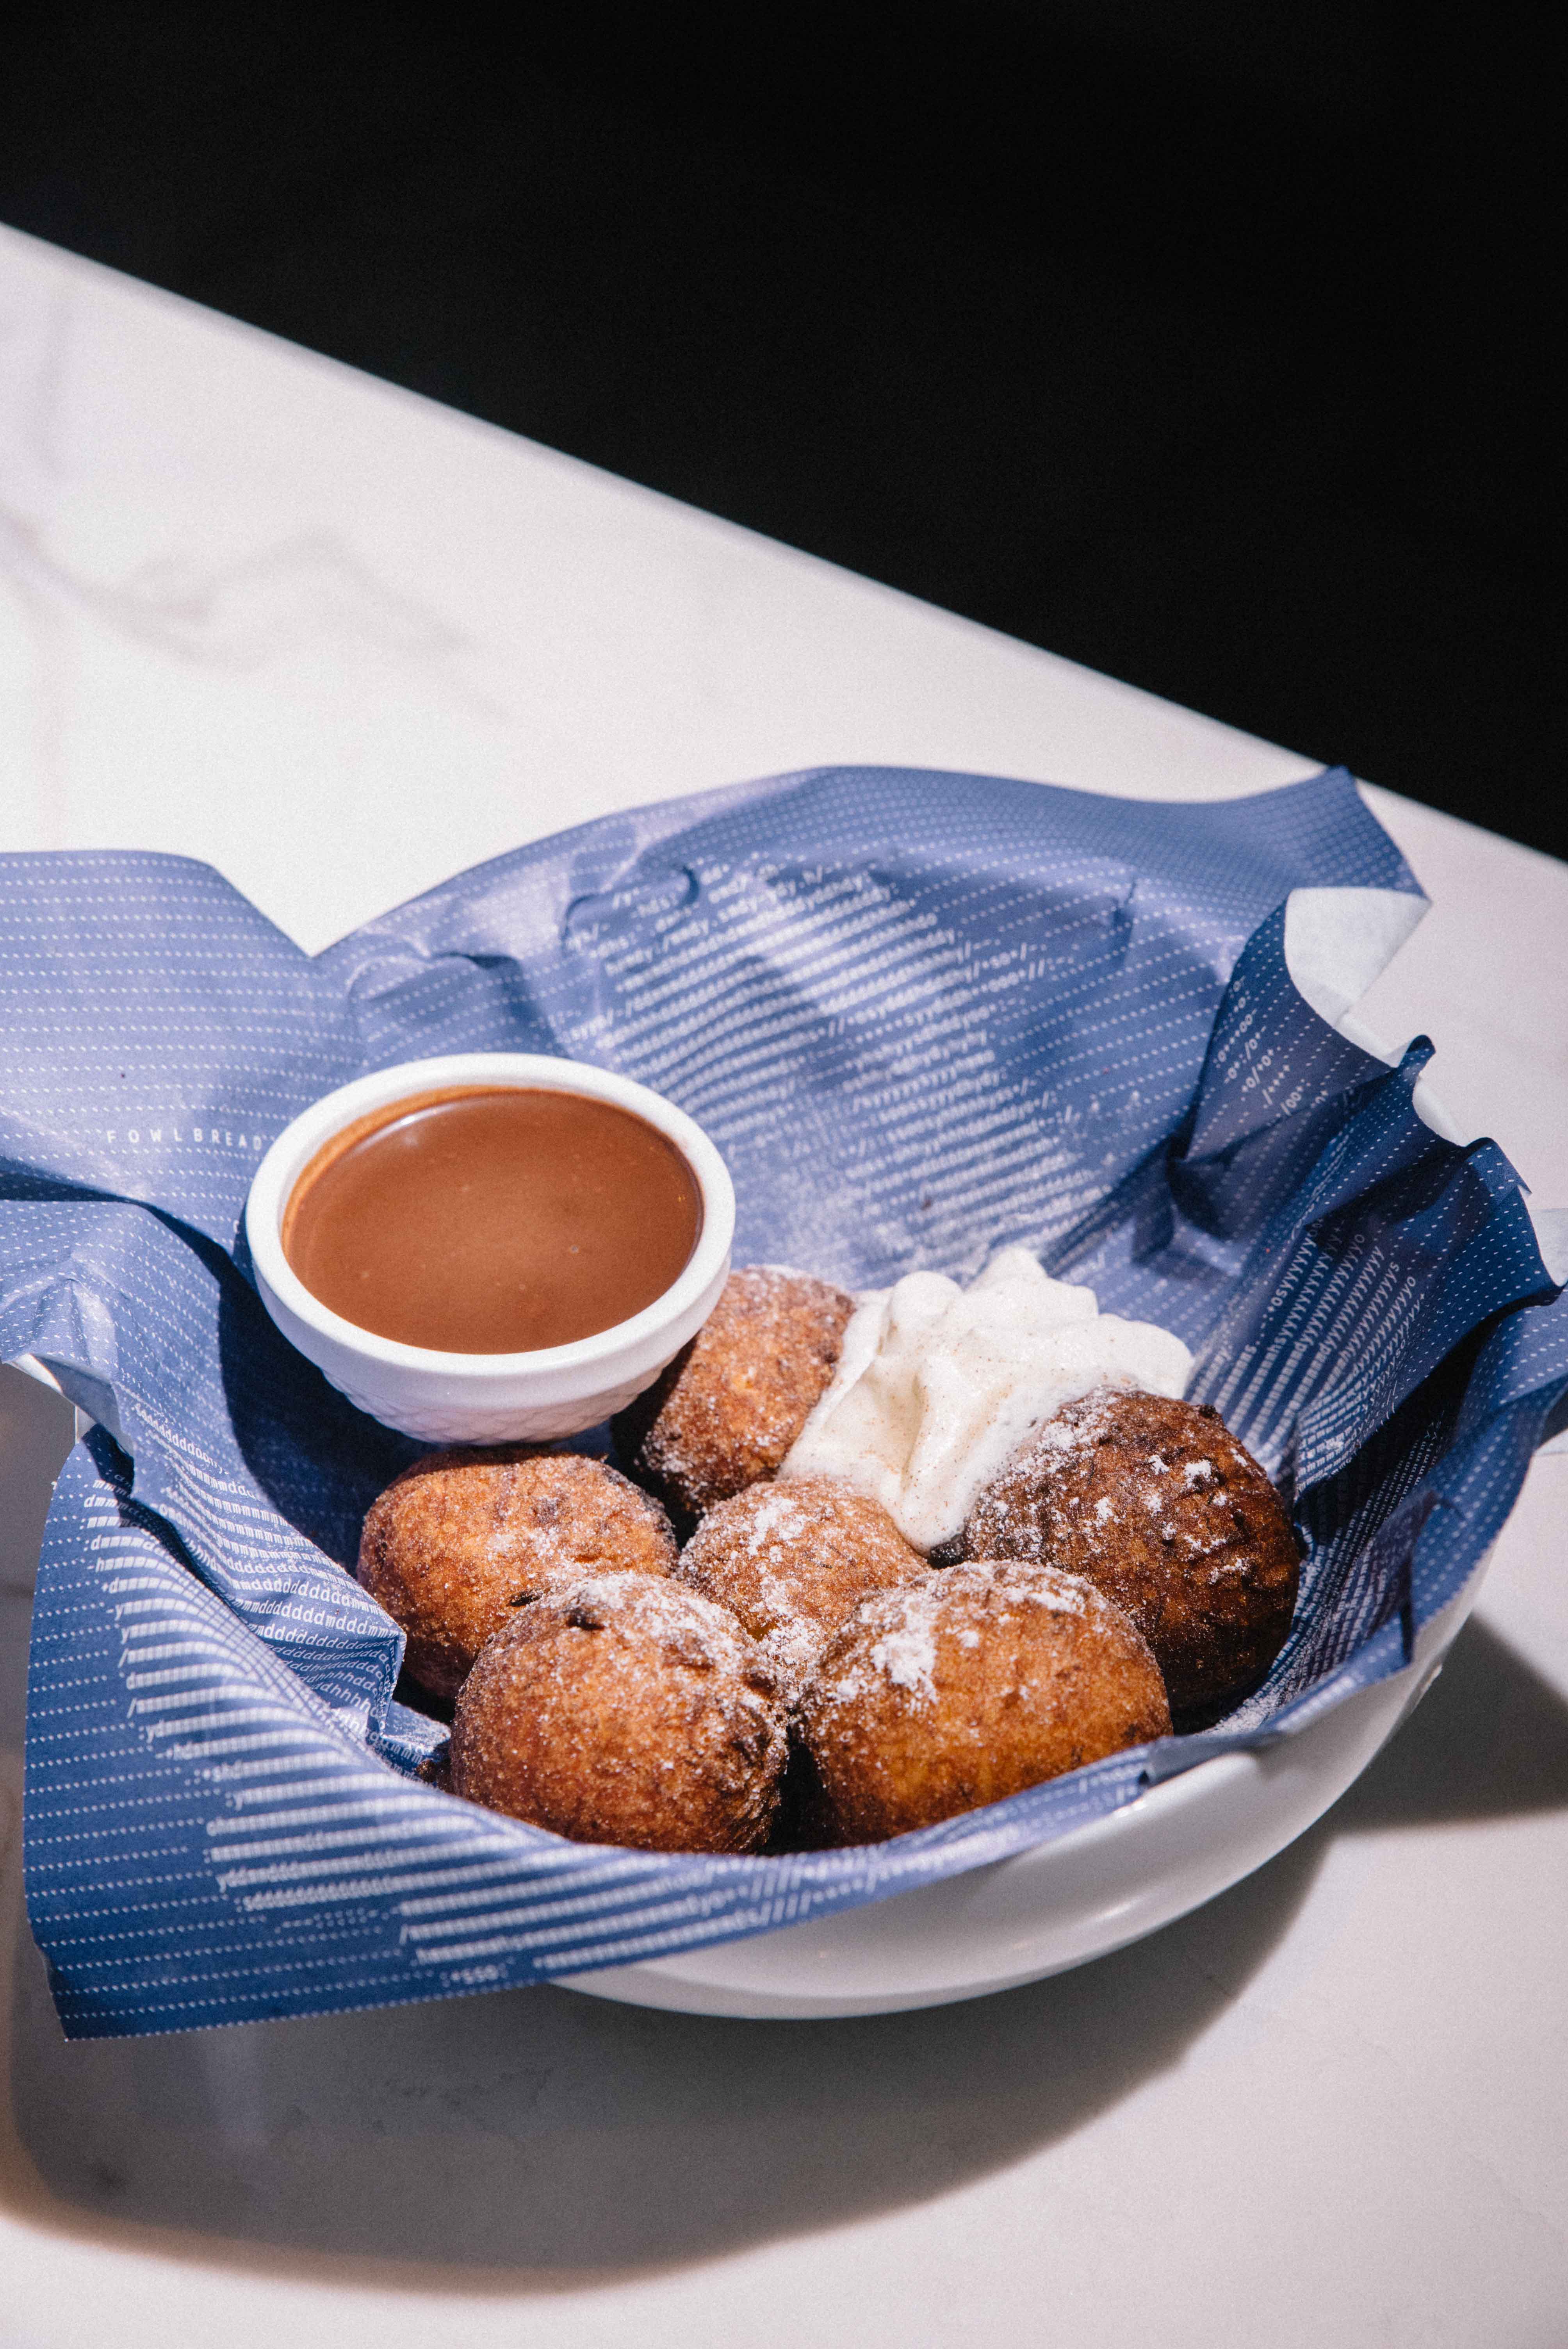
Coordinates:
x,y
1203,343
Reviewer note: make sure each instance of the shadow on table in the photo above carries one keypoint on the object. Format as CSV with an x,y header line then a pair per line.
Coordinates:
x,y
1489,1741
543,2138
541,2133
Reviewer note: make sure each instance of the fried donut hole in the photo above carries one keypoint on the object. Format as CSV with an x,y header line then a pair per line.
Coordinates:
x,y
725,1412
626,1710
965,1688
461,1538
1154,1502
791,1559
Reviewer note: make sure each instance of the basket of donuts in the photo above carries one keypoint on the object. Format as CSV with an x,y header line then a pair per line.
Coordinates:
x,y
800,1671
803,1401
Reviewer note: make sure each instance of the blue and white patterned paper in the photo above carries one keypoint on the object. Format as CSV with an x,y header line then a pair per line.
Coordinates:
x,y
923,1015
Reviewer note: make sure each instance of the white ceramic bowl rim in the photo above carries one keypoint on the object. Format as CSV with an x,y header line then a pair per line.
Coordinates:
x,y
299,1141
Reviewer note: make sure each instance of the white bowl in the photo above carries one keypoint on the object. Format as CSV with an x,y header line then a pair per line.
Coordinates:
x,y
450,1398
1040,1912
1176,1845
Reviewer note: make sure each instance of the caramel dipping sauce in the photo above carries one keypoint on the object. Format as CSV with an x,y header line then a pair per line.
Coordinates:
x,y
492,1220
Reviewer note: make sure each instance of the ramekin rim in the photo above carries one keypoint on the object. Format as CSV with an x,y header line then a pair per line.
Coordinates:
x,y
287,1157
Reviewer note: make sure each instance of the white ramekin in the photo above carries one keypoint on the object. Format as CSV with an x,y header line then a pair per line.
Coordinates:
x,y
450,1398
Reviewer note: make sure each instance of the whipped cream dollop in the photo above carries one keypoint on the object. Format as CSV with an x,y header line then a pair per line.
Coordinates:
x,y
937,1386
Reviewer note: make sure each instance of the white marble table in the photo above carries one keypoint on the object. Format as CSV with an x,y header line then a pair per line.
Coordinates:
x,y
255,609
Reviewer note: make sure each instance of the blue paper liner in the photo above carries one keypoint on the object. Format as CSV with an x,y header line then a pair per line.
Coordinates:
x,y
923,1015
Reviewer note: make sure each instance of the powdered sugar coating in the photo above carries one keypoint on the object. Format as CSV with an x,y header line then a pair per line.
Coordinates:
x,y
625,1710
965,1687
1154,1501
907,1658
726,1410
791,1560
904,1646
462,1537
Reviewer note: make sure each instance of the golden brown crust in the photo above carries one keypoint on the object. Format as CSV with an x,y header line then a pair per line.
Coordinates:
x,y
625,1711
727,1409
1155,1502
791,1559
461,1538
965,1688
